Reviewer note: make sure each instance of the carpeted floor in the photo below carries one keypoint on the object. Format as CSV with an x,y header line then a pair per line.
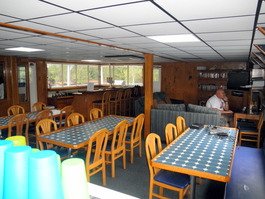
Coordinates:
x,y
135,181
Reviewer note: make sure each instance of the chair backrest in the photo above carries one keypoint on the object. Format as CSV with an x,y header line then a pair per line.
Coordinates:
x,y
19,121
181,125
152,147
64,113
118,95
95,113
38,106
74,119
15,109
96,143
127,93
137,127
119,135
170,133
45,126
106,97
44,114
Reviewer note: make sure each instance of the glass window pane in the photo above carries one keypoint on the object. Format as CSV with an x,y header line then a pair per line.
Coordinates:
x,y
55,75
136,75
120,74
82,75
105,72
93,74
69,75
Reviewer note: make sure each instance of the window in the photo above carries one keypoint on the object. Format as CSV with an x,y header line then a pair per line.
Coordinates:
x,y
67,75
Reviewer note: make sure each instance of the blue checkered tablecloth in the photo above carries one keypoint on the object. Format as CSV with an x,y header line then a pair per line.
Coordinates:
x,y
32,117
81,133
198,150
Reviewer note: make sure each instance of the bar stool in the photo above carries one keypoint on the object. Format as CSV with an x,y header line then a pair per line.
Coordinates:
x,y
103,104
115,104
126,101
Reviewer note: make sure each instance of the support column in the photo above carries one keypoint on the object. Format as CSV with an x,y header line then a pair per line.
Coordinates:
x,y
148,92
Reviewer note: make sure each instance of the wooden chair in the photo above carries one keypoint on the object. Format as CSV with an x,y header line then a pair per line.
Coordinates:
x,y
95,157
74,119
116,104
126,102
44,114
116,148
46,126
95,113
15,109
134,139
104,103
251,134
181,125
38,106
64,113
21,124
170,133
163,178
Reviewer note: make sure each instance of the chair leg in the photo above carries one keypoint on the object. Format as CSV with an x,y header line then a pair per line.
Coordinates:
x,y
112,166
131,154
104,174
124,158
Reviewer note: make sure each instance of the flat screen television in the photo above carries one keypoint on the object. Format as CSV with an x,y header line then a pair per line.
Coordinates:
x,y
238,78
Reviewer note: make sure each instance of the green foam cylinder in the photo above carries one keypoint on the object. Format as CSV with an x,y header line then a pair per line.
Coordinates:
x,y
74,179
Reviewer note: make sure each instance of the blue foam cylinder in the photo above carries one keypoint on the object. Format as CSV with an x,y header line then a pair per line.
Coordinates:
x,y
4,145
16,172
44,176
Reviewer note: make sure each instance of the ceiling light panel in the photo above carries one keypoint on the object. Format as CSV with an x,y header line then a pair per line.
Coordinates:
x,y
221,25
175,38
138,13
72,21
194,9
109,33
85,4
171,28
28,9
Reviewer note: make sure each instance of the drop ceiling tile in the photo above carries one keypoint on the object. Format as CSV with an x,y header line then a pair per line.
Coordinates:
x,y
28,9
229,43
77,35
134,40
132,14
221,25
261,20
109,33
85,4
194,9
171,28
6,19
187,44
226,36
72,21
36,26
9,34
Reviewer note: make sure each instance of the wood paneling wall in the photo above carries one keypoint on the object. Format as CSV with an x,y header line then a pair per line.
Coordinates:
x,y
180,80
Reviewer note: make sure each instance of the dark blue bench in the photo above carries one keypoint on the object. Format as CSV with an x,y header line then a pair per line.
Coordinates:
x,y
248,175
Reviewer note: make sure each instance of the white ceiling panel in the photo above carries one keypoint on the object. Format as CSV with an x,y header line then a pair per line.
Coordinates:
x,y
5,19
194,9
226,36
132,14
229,43
72,21
221,25
28,9
88,4
171,28
109,33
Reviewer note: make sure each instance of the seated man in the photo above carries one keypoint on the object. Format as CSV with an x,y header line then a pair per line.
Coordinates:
x,y
219,101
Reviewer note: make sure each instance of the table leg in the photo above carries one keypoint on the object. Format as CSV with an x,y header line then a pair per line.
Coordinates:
x,y
69,152
1,137
192,187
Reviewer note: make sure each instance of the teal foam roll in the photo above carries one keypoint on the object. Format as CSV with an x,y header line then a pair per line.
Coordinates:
x,y
44,176
16,172
4,145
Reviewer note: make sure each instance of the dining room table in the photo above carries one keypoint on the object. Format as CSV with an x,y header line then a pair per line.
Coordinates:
x,y
32,118
203,152
76,137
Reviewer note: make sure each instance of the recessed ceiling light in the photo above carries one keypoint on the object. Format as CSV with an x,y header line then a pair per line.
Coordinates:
x,y
90,60
175,38
24,49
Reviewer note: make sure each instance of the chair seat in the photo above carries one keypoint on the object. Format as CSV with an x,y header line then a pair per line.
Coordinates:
x,y
174,179
251,130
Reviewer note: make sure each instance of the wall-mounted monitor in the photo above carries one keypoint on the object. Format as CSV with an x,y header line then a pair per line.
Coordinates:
x,y
237,79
